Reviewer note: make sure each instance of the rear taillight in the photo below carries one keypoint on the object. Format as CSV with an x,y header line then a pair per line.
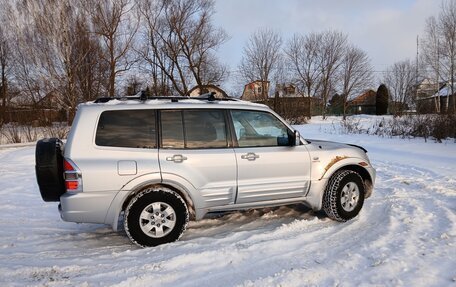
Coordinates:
x,y
72,175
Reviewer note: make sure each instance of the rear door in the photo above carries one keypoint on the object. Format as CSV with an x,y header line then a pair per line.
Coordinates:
x,y
124,148
268,167
196,148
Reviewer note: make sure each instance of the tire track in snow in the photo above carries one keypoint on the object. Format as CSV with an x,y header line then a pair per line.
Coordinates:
x,y
405,229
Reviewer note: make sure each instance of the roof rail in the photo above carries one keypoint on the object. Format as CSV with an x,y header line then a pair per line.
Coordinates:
x,y
210,97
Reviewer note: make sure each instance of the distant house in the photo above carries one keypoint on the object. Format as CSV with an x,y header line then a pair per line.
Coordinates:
x,y
287,90
287,101
200,90
44,111
256,91
427,88
364,104
441,101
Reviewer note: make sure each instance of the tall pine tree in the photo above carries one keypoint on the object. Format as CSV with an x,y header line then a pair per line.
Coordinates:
x,y
381,100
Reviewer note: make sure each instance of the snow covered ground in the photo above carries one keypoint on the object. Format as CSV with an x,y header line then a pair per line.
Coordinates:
x,y
404,236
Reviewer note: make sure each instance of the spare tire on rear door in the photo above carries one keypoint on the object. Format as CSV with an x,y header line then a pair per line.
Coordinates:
x,y
49,168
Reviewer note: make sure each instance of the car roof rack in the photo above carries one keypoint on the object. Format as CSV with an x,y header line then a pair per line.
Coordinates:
x,y
142,96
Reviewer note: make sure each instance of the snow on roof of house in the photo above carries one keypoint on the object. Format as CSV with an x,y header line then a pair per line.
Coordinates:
x,y
444,91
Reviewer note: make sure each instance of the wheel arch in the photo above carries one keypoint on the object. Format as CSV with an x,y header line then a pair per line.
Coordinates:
x,y
123,198
179,190
365,175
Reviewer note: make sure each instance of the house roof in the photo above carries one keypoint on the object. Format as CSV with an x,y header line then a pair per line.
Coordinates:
x,y
365,99
444,91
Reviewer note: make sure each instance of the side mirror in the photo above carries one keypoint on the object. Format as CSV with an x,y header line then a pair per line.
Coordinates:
x,y
295,139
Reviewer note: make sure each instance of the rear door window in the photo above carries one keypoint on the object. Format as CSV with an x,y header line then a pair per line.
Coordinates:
x,y
127,128
193,129
172,129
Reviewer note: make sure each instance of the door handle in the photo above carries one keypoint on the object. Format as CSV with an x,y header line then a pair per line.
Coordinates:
x,y
250,156
177,158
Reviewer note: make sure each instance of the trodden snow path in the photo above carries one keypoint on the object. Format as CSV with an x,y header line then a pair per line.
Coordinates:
x,y
404,236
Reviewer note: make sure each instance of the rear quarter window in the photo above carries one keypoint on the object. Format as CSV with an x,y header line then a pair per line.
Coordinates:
x,y
127,128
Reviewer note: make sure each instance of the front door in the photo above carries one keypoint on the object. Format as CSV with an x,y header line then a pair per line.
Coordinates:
x,y
268,167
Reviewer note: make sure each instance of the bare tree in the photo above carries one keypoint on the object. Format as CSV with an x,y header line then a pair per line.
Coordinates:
x,y
91,73
431,55
439,47
331,54
356,74
261,58
133,85
16,24
401,79
301,53
52,56
114,22
55,55
181,44
302,57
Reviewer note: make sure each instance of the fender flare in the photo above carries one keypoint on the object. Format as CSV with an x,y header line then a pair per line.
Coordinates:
x,y
175,182
338,163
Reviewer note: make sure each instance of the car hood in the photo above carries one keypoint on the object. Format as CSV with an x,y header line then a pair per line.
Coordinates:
x,y
337,148
332,145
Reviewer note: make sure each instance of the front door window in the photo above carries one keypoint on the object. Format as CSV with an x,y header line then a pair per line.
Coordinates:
x,y
259,129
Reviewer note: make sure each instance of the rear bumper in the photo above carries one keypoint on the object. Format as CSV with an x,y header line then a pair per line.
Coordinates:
x,y
88,207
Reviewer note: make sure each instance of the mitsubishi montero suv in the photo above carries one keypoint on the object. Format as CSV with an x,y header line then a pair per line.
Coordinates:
x,y
159,162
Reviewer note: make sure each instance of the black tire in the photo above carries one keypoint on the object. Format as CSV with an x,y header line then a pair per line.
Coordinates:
x,y
135,224
49,168
340,184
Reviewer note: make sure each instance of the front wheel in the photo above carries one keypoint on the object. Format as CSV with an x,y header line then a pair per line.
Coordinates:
x,y
344,195
155,216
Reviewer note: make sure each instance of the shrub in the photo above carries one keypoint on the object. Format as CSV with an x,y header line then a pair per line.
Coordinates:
x,y
437,127
12,132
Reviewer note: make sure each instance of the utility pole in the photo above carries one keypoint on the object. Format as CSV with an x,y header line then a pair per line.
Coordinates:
x,y
416,71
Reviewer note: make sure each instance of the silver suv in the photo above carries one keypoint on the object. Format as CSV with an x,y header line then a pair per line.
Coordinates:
x,y
157,163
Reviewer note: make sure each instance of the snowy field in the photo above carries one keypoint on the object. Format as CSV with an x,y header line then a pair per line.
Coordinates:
x,y
404,236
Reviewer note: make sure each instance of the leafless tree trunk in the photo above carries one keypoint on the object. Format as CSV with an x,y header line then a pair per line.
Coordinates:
x,y
261,57
356,74
4,63
400,80
331,54
181,41
114,22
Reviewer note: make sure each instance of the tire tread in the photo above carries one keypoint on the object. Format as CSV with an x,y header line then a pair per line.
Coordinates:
x,y
330,196
165,192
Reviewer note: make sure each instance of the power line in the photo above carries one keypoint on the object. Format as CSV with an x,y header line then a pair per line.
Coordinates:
x,y
373,71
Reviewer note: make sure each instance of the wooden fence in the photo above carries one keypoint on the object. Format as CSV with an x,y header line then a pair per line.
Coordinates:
x,y
292,108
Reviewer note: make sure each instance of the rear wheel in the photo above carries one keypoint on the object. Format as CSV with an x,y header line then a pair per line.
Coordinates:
x,y
156,216
344,195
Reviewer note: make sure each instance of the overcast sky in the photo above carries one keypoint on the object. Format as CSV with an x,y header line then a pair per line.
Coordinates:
x,y
385,29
